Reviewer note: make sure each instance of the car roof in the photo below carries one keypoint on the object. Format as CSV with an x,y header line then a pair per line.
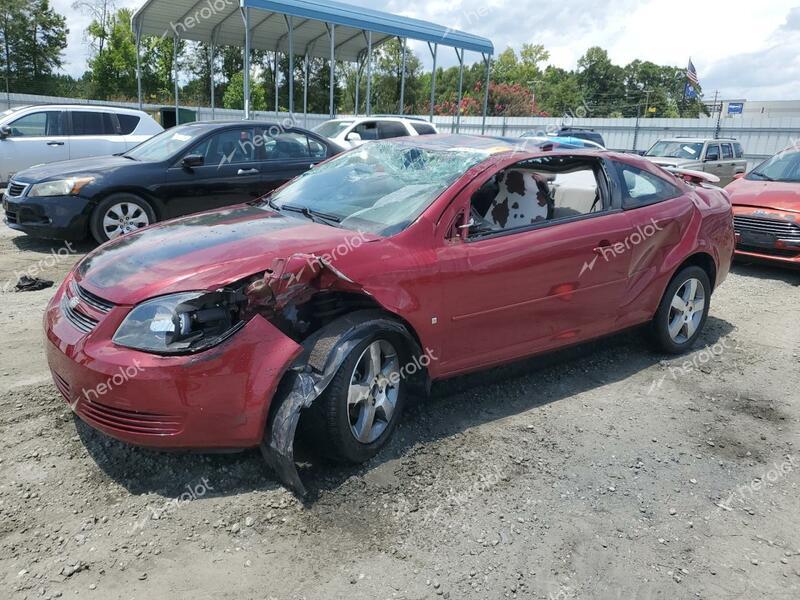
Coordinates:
x,y
81,106
696,140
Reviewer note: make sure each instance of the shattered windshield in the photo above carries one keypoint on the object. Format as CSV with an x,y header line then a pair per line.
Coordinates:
x,y
379,188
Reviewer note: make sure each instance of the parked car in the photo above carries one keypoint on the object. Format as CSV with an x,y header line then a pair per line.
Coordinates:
x,y
721,157
583,134
187,169
353,132
44,134
373,274
766,209
558,141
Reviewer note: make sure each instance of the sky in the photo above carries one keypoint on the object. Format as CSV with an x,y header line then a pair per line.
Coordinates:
x,y
747,50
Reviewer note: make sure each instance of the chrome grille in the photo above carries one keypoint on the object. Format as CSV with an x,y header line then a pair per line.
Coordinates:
x,y
16,189
783,230
83,322
96,302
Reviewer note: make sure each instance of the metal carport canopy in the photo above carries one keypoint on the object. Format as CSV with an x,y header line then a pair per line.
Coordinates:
x,y
308,28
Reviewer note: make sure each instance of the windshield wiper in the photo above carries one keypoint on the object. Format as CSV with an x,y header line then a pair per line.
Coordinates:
x,y
760,174
314,215
126,156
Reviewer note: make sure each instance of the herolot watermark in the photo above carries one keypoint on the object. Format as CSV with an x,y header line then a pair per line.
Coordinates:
x,y
701,358
203,12
193,492
51,260
122,376
612,251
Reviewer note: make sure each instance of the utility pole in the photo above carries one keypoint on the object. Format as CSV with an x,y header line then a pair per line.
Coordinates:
x,y
638,116
719,115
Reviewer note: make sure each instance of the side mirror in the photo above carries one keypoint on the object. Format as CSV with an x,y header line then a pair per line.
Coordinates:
x,y
193,160
5,132
353,137
739,176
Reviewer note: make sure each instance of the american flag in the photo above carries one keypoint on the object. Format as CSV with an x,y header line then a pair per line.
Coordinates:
x,y
691,74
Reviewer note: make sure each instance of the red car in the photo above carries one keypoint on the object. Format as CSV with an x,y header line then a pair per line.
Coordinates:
x,y
766,209
390,266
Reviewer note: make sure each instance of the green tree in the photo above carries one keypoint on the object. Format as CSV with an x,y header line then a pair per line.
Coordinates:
x,y
234,94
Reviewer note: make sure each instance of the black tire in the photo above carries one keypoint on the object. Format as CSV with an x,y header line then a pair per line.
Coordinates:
x,y
99,233
660,326
338,439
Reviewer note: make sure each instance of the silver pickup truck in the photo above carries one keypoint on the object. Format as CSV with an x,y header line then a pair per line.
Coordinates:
x,y
722,157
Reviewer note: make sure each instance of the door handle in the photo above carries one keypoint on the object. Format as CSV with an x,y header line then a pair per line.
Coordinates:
x,y
601,245
55,143
247,172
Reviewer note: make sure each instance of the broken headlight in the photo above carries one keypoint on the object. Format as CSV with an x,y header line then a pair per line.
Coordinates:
x,y
183,323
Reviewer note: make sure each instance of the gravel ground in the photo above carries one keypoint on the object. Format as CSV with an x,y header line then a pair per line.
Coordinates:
x,y
606,472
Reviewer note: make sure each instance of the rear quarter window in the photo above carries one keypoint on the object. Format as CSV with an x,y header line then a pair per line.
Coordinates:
x,y
642,188
128,124
423,128
738,151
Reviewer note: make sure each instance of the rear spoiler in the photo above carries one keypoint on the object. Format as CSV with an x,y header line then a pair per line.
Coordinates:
x,y
695,177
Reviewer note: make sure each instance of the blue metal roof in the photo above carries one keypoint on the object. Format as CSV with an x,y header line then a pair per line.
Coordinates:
x,y
221,22
368,19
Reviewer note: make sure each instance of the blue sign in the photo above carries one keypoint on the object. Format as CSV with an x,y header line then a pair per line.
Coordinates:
x,y
735,108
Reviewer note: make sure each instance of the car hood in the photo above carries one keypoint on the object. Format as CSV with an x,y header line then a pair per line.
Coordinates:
x,y
776,195
664,161
69,168
203,252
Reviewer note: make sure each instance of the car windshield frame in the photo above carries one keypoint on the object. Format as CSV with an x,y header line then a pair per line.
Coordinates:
x,y
678,148
766,170
157,148
337,127
381,187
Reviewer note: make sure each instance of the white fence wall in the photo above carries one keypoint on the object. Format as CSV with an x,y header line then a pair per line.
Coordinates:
x,y
761,136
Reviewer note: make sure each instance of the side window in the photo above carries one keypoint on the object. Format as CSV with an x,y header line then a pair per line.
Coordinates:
x,y
287,146
738,151
128,124
233,146
727,152
712,152
641,188
423,128
317,149
39,124
534,192
92,123
391,129
367,130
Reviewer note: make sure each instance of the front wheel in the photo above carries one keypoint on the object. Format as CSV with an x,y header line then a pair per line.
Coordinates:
x,y
363,402
120,214
683,311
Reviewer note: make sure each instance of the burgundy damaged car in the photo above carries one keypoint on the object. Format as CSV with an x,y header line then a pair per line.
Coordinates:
x,y
380,270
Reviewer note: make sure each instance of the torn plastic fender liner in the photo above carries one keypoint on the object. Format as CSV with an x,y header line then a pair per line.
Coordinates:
x,y
309,376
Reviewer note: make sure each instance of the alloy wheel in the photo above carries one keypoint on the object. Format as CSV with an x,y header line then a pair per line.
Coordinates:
x,y
123,218
686,311
373,391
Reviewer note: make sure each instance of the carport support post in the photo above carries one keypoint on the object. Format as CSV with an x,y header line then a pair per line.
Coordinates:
x,y
434,54
403,78
488,60
277,88
211,77
332,34
246,61
175,69
369,73
460,54
358,86
138,35
305,90
290,26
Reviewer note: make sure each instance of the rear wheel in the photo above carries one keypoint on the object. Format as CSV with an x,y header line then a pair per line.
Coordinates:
x,y
363,403
683,311
120,214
